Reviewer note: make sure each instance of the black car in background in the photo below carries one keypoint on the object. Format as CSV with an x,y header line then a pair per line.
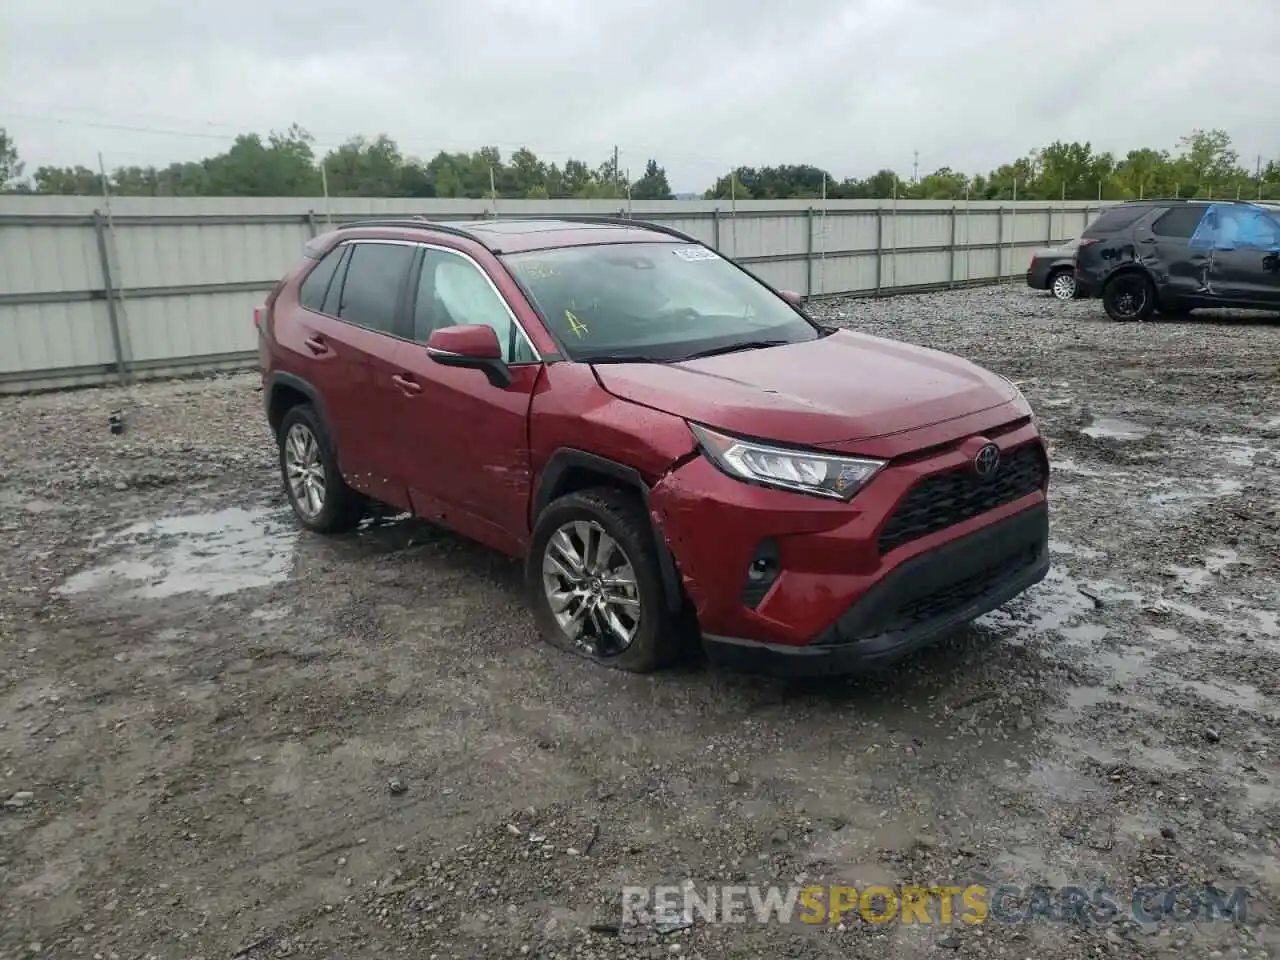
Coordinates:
x,y
1053,269
1173,256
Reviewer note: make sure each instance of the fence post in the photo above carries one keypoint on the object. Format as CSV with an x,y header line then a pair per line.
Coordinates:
x,y
715,228
808,259
951,251
109,287
999,243
879,244
311,223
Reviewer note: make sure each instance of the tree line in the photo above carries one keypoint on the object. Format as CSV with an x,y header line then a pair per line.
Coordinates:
x,y
283,164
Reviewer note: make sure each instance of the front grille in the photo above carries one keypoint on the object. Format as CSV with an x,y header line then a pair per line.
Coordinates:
x,y
945,499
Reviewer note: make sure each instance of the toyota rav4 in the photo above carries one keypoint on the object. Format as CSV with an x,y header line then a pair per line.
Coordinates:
x,y
675,448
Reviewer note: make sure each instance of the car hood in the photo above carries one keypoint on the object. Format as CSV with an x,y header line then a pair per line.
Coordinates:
x,y
841,388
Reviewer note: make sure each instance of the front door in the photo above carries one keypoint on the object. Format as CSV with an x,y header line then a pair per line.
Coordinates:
x,y
466,456
1246,242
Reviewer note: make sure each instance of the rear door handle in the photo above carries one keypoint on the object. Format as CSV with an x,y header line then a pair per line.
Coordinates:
x,y
316,345
407,385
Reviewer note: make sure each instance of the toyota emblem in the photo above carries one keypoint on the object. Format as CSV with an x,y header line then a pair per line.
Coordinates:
x,y
987,461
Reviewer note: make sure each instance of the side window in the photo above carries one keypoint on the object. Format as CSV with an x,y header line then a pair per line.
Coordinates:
x,y
1179,222
371,290
316,283
1117,218
452,291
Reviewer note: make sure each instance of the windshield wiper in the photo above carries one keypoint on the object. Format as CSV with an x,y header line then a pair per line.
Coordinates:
x,y
735,347
621,358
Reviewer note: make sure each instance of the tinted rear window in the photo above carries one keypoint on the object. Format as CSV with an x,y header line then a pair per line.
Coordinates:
x,y
1114,219
371,292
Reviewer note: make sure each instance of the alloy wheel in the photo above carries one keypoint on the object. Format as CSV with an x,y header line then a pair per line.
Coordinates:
x,y
1129,296
304,470
592,588
1064,286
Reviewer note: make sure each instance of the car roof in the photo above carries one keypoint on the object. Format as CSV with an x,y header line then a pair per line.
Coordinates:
x,y
520,234
1174,201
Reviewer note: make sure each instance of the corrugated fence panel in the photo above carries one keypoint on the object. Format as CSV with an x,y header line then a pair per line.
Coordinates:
x,y
49,336
35,259
189,271
192,325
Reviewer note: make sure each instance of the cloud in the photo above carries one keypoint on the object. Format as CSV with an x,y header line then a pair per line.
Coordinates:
x,y
699,84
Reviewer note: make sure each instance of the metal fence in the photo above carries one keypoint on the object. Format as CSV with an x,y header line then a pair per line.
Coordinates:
x,y
94,293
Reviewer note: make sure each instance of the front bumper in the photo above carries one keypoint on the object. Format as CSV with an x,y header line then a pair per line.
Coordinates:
x,y
917,603
834,564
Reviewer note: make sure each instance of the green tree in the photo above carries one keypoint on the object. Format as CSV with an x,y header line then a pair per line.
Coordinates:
x,y
1069,171
69,181
943,184
11,166
653,185
365,168
729,187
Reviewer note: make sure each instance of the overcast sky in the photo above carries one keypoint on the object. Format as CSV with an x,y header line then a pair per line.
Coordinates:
x,y
702,85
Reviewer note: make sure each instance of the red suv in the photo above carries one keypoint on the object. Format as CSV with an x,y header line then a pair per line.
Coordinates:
x,y
670,444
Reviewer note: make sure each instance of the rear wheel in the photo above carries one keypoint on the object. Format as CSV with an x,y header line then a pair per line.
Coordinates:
x,y
595,582
1129,296
1062,285
320,498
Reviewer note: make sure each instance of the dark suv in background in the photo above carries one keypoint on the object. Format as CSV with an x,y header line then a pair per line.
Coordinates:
x,y
1172,256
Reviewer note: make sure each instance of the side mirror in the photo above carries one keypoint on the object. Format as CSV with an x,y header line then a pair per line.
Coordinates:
x,y
793,298
475,346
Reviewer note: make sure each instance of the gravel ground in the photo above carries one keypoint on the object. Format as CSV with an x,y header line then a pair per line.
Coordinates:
x,y
220,737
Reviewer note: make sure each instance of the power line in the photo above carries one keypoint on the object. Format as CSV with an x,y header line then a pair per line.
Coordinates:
x,y
228,136
322,139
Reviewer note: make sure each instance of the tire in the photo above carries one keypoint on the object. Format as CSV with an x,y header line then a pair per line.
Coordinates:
x,y
1129,296
1062,284
340,507
654,629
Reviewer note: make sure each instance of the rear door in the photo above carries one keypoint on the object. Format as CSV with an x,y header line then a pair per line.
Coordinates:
x,y
360,334
1163,244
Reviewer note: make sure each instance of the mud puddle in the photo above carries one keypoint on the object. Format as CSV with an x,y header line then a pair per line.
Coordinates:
x,y
215,554
1114,428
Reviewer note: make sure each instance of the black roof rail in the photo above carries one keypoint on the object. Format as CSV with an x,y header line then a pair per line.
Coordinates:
x,y
408,222
620,222
425,224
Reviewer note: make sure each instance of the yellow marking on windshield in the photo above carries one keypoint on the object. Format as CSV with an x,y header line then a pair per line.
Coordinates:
x,y
577,326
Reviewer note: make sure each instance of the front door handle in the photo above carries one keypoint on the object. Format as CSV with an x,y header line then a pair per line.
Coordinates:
x,y
316,345
408,386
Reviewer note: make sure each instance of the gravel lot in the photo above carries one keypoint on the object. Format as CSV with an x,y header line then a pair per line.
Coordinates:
x,y
224,738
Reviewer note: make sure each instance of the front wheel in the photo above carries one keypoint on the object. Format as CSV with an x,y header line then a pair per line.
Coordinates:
x,y
595,582
1129,296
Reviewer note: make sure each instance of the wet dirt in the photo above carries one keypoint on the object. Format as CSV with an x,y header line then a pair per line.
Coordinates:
x,y
221,736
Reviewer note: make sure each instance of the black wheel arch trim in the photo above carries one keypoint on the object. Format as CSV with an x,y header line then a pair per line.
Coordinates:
x,y
279,379
565,459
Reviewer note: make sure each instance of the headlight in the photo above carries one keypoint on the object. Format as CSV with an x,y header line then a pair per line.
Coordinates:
x,y
804,471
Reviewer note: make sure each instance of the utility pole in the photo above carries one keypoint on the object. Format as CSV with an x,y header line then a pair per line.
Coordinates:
x,y
615,164
915,167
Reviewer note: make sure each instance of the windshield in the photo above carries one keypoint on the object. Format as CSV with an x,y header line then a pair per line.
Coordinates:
x,y
653,301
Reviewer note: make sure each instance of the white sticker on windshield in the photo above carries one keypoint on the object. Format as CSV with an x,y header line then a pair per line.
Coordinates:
x,y
694,253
